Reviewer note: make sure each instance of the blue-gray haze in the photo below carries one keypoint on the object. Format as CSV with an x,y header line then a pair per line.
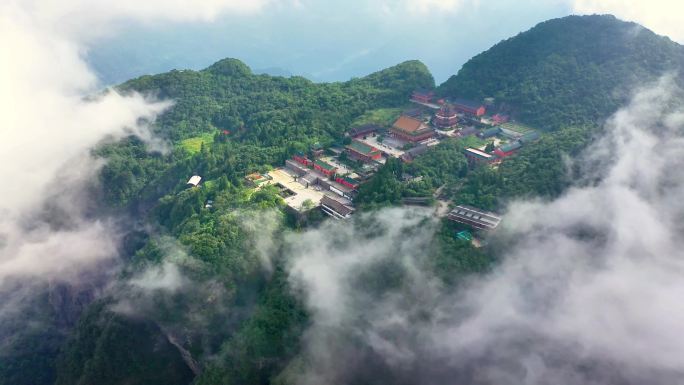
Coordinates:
x,y
322,40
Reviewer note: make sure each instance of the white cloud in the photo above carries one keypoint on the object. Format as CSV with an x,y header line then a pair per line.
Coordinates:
x,y
165,277
419,8
587,290
426,6
665,17
45,122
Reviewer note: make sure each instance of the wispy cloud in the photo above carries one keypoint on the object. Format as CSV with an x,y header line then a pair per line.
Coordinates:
x,y
47,123
587,291
416,8
662,16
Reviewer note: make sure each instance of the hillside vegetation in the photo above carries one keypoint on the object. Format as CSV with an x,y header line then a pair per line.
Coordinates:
x,y
237,315
270,110
573,70
226,122
265,119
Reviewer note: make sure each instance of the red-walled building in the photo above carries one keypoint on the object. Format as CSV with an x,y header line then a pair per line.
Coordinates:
x,y
508,149
348,182
363,152
422,96
446,117
500,119
303,160
326,168
411,130
469,107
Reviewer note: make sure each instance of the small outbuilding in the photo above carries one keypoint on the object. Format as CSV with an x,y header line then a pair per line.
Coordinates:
x,y
194,181
476,157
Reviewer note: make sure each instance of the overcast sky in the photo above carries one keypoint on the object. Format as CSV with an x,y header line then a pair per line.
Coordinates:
x,y
330,40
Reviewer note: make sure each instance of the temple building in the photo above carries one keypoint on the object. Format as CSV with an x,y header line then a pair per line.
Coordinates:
x,y
469,107
475,218
347,182
422,96
335,208
325,168
477,157
446,117
364,130
411,130
361,151
303,160
508,149
488,133
296,167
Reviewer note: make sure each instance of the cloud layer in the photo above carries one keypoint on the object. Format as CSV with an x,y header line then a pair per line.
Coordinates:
x,y
662,16
48,125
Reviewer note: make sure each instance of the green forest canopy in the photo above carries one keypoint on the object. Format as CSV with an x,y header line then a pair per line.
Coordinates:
x,y
252,324
570,71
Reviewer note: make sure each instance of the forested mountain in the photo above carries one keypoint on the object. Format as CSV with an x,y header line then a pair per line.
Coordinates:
x,y
240,123
259,120
234,317
268,110
573,70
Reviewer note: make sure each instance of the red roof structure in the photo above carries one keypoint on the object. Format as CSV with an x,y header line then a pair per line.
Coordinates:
x,y
469,107
411,130
446,117
422,96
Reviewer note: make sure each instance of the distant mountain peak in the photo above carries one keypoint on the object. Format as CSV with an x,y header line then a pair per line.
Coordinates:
x,y
571,70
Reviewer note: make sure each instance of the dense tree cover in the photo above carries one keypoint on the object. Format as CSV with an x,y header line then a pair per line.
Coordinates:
x,y
222,265
31,347
265,118
384,188
540,169
265,343
453,258
112,349
248,321
237,315
568,71
273,111
444,164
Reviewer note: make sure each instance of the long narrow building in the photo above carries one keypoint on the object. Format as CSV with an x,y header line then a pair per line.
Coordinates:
x,y
469,107
475,218
335,208
478,157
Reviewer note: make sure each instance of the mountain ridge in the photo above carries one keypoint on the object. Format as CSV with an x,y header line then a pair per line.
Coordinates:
x,y
580,69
